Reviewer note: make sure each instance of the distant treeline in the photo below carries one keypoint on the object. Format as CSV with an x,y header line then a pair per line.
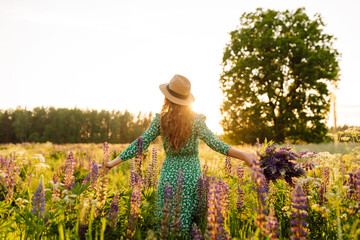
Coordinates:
x,y
64,125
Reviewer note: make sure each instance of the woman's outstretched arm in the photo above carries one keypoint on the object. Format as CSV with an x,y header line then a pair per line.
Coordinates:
x,y
246,157
148,136
213,142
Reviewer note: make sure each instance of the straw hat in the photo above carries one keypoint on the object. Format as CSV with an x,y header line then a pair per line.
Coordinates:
x,y
178,90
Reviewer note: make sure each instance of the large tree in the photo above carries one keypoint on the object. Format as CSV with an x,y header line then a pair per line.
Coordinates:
x,y
276,71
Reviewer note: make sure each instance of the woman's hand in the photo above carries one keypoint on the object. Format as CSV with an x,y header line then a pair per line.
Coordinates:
x,y
251,157
111,164
248,158
108,166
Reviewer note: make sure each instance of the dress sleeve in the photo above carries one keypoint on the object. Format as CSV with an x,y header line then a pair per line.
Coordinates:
x,y
210,139
148,136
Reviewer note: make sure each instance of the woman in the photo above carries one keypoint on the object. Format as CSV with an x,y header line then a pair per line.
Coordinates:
x,y
180,129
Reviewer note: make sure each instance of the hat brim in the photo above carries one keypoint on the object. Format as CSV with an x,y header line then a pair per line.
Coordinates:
x,y
176,100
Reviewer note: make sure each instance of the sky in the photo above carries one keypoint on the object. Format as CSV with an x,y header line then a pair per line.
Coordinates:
x,y
113,54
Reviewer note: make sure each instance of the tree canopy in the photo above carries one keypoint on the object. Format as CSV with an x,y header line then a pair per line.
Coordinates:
x,y
276,72
64,125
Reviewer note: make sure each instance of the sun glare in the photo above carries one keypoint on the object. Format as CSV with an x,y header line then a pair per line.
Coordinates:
x,y
212,114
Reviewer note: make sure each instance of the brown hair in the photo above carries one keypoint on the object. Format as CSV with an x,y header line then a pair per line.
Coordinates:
x,y
176,123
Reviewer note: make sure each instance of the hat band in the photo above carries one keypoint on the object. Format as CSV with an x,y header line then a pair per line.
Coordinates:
x,y
175,94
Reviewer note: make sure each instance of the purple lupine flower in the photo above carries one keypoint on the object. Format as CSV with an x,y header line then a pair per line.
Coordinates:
x,y
69,170
56,190
166,211
322,198
240,197
135,164
154,167
103,182
240,173
10,177
114,211
139,157
38,200
196,233
206,179
224,199
94,175
132,169
308,153
324,186
147,179
272,224
132,178
298,224
307,166
205,169
259,180
225,235
280,164
260,221
326,178
151,174
135,207
82,226
82,229
342,168
357,186
2,161
135,179
305,188
270,149
215,219
106,157
351,184
176,226
201,197
86,179
73,183
227,166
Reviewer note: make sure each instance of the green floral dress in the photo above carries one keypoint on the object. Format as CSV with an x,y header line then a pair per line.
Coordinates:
x,y
186,159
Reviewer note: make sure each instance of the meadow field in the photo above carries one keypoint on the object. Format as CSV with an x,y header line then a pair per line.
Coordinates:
x,y
50,191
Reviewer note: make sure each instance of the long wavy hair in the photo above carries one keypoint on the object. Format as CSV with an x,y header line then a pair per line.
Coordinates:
x,y
176,123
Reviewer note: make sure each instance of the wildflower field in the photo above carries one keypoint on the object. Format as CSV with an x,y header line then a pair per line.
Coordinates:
x,y
50,191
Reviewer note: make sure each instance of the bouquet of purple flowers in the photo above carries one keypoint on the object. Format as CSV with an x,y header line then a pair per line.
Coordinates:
x,y
279,163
